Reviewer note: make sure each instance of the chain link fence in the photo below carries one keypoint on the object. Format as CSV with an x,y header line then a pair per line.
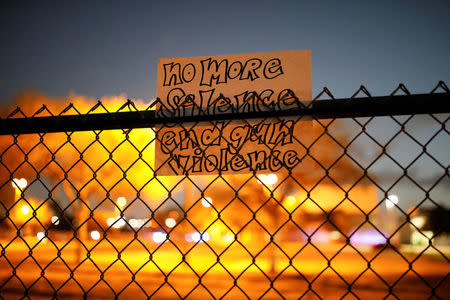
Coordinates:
x,y
337,198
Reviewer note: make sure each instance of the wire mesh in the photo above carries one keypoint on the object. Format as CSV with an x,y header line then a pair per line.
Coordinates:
x,y
360,212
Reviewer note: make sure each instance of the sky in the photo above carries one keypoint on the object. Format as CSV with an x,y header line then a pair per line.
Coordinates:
x,y
97,48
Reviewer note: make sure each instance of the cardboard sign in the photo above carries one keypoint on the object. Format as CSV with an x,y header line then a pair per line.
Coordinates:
x,y
226,84
202,80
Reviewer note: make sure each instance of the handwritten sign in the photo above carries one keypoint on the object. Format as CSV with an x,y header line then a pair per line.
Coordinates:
x,y
227,84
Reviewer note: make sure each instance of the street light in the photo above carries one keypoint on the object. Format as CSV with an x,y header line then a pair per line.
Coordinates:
x,y
170,222
206,202
391,201
268,180
228,238
25,209
159,237
55,220
40,236
121,201
200,237
95,235
391,222
19,184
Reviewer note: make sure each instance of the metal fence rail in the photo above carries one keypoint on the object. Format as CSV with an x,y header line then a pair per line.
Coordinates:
x,y
106,203
335,108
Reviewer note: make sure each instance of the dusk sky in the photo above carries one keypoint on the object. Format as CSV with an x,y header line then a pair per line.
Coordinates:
x,y
96,49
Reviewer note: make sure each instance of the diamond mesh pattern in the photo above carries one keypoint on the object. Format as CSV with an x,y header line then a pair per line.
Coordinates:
x,y
363,215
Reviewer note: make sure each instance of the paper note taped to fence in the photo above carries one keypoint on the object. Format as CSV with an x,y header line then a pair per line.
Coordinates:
x,y
226,84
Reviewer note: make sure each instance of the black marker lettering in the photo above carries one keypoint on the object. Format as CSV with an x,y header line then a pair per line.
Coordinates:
x,y
211,70
235,70
211,163
274,161
212,136
238,163
238,136
168,142
172,73
282,132
188,72
290,159
257,160
250,68
272,68
188,137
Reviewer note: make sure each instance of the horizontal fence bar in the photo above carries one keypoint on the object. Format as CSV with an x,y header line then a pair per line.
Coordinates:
x,y
319,109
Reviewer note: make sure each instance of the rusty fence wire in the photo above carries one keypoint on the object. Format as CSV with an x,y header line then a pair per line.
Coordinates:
x,y
336,198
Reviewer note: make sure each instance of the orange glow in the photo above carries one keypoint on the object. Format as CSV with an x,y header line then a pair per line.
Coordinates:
x,y
329,195
290,203
228,238
96,155
184,235
24,212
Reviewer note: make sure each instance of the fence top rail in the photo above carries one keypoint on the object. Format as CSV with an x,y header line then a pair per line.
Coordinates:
x,y
319,109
